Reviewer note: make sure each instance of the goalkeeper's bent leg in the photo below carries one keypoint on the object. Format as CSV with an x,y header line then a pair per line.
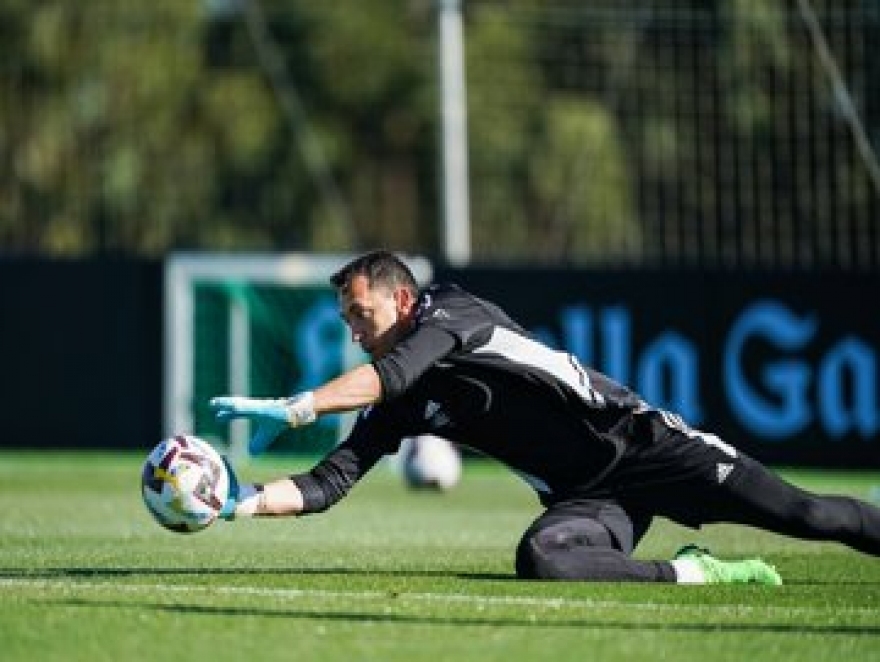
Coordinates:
x,y
586,541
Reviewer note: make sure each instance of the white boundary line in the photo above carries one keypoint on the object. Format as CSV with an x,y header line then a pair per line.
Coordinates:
x,y
71,585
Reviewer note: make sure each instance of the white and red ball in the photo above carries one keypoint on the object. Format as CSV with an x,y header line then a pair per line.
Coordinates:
x,y
184,483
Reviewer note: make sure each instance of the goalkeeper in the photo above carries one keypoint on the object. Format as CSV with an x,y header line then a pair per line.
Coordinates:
x,y
603,462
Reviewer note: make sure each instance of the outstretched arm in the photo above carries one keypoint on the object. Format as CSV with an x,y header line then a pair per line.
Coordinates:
x,y
326,483
354,389
279,498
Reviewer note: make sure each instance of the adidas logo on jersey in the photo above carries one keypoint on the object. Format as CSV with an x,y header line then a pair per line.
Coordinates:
x,y
434,414
724,470
431,409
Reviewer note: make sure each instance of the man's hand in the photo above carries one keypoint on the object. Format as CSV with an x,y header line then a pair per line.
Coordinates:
x,y
272,416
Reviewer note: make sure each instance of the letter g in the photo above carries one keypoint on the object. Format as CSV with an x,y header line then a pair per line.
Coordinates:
x,y
787,379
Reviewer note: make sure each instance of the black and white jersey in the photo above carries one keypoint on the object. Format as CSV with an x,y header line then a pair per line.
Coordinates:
x,y
469,373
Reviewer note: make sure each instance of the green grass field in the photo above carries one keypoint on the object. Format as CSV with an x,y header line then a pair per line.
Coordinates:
x,y
85,574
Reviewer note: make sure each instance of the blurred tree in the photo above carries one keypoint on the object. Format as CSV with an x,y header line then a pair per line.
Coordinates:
x,y
693,131
139,128
95,154
550,173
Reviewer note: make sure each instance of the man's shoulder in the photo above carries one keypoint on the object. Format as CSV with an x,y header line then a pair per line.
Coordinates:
x,y
444,301
467,317
437,292
451,295
447,303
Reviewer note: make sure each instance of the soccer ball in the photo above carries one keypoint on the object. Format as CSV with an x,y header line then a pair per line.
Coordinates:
x,y
430,462
184,483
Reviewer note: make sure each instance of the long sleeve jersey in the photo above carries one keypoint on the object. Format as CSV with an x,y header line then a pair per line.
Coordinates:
x,y
470,374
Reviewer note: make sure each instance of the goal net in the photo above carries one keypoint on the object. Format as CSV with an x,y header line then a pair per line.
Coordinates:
x,y
256,325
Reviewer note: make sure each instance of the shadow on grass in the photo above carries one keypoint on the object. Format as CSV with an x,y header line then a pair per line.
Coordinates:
x,y
109,573
371,617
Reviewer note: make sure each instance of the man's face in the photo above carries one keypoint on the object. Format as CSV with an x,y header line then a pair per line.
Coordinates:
x,y
377,316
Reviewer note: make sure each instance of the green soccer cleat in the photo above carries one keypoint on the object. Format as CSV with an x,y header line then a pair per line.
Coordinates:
x,y
749,571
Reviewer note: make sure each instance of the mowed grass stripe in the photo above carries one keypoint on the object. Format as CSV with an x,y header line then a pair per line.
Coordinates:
x,y
721,610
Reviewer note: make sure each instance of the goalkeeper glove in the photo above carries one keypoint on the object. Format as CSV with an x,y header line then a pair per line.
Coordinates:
x,y
239,494
272,416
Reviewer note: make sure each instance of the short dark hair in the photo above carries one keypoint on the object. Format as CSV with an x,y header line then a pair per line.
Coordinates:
x,y
380,268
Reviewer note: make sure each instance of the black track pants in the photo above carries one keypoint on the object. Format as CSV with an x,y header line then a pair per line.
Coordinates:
x,y
680,476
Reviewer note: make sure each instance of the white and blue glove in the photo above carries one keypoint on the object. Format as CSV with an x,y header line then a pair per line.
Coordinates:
x,y
271,416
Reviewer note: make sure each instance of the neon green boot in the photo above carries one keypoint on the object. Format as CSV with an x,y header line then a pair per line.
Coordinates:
x,y
749,571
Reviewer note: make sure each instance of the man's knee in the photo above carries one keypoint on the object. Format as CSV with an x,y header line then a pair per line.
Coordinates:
x,y
561,550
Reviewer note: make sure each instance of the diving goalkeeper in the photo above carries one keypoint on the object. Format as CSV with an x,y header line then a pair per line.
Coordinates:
x,y
603,462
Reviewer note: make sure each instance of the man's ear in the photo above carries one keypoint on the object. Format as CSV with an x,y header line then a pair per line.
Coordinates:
x,y
405,300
